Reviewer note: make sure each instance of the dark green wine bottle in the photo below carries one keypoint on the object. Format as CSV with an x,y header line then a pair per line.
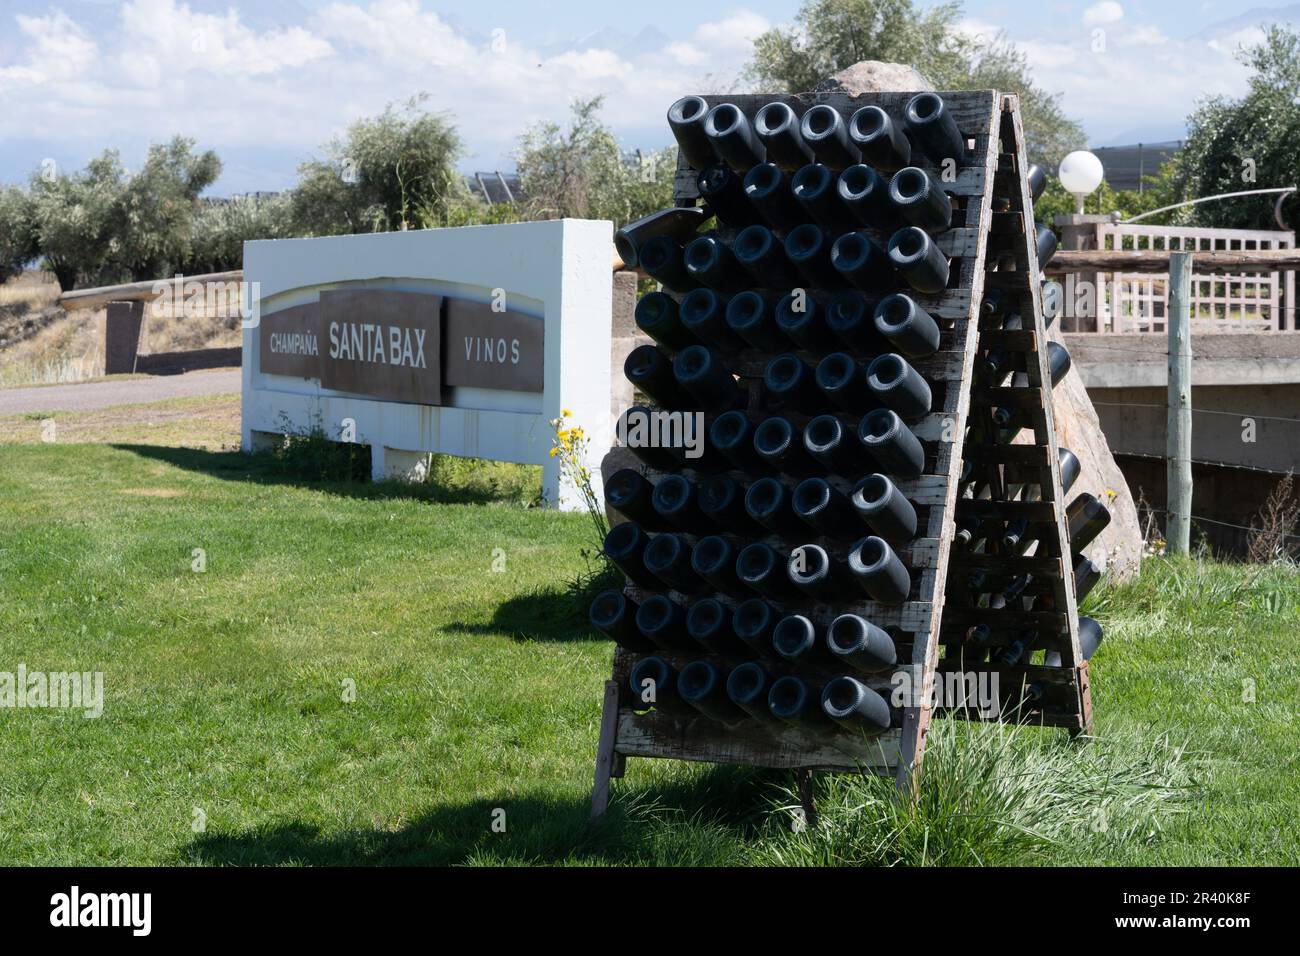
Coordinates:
x,y
632,495
825,509
778,127
752,316
857,642
704,687
753,621
865,194
767,502
819,575
681,223
836,447
724,192
933,128
686,120
768,190
795,701
881,141
708,623
714,560
879,572
668,558
733,138
663,622
852,704
748,686
664,260
884,508
826,133
614,614
653,682
762,568
920,200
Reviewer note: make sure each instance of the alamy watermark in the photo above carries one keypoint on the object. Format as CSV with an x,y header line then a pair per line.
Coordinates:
x,y
193,298
659,429
64,690
977,691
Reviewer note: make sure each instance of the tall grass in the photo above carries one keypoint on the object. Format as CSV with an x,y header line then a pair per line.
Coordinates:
x,y
55,369
990,795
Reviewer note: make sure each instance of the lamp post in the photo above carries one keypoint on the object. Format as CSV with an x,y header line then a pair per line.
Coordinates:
x,y
1080,173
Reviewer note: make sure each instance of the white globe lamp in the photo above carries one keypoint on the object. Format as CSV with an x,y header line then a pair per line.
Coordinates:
x,y
1080,173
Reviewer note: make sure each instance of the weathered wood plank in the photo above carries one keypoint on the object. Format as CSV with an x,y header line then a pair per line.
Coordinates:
x,y
754,744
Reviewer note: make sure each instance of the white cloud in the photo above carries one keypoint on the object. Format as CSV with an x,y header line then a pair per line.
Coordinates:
x,y
199,42
1144,35
398,31
686,54
732,36
287,90
1232,42
591,64
1108,11
57,49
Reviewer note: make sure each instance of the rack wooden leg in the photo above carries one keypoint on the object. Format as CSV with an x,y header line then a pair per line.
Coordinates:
x,y
606,763
1085,701
804,780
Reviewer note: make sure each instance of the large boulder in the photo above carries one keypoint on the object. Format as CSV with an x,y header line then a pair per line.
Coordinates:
x,y
874,76
1118,550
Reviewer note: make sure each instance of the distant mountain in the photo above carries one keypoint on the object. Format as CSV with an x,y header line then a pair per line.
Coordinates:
x,y
1224,29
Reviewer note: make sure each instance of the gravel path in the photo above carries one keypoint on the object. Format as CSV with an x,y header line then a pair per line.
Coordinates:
x,y
91,396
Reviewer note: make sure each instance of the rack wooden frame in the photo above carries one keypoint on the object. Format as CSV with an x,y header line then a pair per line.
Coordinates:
x,y
994,167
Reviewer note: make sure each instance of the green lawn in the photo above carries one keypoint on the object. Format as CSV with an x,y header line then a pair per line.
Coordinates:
x,y
477,691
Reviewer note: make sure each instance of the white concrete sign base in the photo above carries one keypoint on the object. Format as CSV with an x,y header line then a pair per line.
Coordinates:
x,y
557,272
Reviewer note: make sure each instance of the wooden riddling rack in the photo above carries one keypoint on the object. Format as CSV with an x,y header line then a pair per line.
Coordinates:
x,y
993,168
1013,481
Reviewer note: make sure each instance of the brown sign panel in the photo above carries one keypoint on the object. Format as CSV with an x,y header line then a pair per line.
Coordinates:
x,y
289,342
382,344
489,349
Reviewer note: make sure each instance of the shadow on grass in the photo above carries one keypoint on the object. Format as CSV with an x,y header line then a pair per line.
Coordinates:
x,y
639,828
550,613
265,469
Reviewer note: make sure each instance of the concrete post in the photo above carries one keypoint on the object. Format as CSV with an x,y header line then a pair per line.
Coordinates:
x,y
122,337
1178,530
624,337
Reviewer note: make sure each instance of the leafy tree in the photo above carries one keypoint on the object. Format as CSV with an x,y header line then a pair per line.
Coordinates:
x,y
221,228
1250,143
391,172
74,219
154,219
829,35
17,232
102,225
581,172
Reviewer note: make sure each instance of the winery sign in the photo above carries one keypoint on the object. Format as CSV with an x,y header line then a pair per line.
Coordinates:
x,y
462,341
404,346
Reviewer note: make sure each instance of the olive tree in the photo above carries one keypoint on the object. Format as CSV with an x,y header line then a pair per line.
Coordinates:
x,y
17,232
581,172
390,172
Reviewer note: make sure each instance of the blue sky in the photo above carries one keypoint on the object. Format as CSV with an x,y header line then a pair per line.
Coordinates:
x,y
265,82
